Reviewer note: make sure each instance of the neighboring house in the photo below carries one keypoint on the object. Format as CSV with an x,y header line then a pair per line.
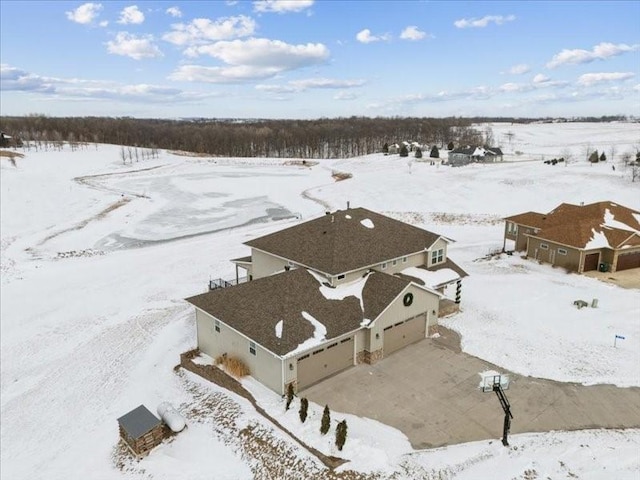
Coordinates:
x,y
465,155
5,140
346,288
580,238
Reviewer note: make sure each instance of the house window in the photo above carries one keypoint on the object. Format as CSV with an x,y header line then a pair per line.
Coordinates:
x,y
512,228
217,325
404,259
437,256
384,266
394,263
340,277
252,348
562,251
544,246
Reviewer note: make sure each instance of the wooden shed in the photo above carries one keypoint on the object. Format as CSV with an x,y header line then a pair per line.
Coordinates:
x,y
141,430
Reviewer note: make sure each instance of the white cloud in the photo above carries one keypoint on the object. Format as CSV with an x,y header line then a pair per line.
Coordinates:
x,y
264,53
15,79
252,59
104,23
276,88
131,15
281,6
85,13
412,33
136,47
589,79
519,69
174,12
602,51
540,78
203,30
232,74
345,96
514,87
484,21
364,36
326,83
295,86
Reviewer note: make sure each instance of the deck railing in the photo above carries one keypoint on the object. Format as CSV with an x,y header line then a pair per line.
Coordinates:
x,y
217,283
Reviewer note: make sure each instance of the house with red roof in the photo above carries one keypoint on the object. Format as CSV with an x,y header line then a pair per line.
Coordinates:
x,y
580,238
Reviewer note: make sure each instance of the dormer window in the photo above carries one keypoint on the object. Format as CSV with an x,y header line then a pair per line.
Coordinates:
x,y
437,256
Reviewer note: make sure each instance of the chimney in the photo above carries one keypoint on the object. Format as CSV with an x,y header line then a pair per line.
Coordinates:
x,y
348,204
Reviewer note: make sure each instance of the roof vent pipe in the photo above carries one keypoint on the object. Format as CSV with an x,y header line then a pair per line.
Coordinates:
x,y
327,212
348,204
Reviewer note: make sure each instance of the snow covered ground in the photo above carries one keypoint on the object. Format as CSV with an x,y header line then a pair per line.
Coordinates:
x,y
94,271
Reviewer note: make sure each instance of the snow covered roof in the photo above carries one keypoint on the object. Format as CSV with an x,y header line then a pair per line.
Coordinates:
x,y
596,225
138,422
295,310
346,240
435,276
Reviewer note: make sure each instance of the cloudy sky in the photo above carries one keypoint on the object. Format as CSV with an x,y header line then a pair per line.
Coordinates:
x,y
322,58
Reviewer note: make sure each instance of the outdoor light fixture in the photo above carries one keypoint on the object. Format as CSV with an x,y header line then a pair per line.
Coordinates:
x,y
377,336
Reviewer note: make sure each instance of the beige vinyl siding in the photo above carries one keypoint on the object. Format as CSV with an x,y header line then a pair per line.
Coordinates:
x,y
264,365
522,237
439,244
362,340
413,260
265,265
570,261
349,277
423,301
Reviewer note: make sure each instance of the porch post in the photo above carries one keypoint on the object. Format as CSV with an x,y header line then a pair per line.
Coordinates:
x,y
237,279
458,291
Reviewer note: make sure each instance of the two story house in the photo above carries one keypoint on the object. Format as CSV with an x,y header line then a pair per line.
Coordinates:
x,y
348,287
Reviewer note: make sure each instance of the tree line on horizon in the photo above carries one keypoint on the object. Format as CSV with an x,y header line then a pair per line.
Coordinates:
x,y
313,139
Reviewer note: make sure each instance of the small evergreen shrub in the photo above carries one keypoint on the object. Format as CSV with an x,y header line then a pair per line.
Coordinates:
x,y
304,407
289,395
341,434
325,424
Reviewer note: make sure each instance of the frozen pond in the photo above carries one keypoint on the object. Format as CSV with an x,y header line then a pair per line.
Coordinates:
x,y
182,205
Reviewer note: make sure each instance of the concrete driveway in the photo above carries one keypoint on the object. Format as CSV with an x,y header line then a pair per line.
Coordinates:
x,y
429,391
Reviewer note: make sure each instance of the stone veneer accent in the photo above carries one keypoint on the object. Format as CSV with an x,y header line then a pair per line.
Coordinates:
x,y
372,357
360,357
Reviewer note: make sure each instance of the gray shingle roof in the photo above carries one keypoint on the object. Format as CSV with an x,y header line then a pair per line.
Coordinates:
x,y
254,308
138,421
339,242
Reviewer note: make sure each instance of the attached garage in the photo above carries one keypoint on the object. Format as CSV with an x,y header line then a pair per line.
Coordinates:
x,y
403,333
591,262
628,260
326,361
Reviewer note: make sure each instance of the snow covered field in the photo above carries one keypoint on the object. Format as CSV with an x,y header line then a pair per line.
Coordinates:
x,y
94,271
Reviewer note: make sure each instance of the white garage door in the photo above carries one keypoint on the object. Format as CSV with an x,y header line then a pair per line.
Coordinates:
x,y
323,362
